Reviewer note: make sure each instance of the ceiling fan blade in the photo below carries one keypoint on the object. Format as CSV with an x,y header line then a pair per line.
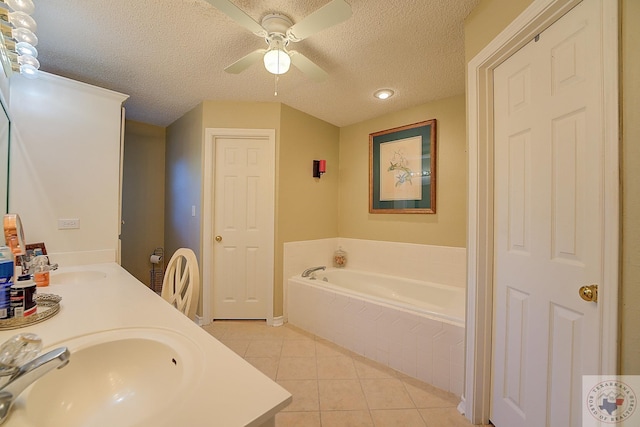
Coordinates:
x,y
238,15
308,67
328,15
245,62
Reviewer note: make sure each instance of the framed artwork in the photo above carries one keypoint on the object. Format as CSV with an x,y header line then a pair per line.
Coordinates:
x,y
402,169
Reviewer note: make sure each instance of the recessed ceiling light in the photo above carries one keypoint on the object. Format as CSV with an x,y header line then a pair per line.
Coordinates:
x,y
383,94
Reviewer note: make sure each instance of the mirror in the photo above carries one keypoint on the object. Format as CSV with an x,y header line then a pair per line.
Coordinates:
x,y
4,159
5,133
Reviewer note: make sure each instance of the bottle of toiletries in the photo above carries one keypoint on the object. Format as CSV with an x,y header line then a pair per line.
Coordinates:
x,y
41,277
6,280
41,269
339,258
23,297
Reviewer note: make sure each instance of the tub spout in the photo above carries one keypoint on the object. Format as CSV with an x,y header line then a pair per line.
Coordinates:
x,y
308,271
26,374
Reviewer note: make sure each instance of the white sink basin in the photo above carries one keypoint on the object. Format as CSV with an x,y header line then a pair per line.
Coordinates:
x,y
115,378
74,277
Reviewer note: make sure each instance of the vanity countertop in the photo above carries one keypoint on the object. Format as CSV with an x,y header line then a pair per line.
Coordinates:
x,y
227,392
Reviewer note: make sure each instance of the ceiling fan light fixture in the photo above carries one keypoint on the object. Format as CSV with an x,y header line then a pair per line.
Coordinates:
x,y
277,61
383,93
278,31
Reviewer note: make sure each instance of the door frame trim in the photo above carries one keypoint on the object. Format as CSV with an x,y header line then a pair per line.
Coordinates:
x,y
211,135
537,17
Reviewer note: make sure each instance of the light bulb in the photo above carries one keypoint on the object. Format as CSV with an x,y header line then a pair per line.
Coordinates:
x,y
29,71
28,66
25,6
22,20
24,35
277,61
383,94
28,60
24,48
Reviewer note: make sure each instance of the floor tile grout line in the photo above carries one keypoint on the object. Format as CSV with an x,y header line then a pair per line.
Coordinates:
x,y
315,349
423,418
365,397
404,385
315,352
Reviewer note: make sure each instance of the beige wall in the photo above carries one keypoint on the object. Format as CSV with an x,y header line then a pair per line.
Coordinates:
x,y
184,165
142,197
445,228
305,200
248,115
307,207
487,20
491,17
630,355
300,199
183,180
242,115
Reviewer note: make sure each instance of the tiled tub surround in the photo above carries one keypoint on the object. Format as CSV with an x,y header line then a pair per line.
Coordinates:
x,y
437,264
425,342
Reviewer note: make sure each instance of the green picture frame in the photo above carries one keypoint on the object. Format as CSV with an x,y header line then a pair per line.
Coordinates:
x,y
402,169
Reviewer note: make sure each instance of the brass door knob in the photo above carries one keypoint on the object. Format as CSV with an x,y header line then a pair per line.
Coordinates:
x,y
589,293
218,238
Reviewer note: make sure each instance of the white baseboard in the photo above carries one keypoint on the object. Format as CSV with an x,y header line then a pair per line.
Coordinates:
x,y
200,321
461,405
277,321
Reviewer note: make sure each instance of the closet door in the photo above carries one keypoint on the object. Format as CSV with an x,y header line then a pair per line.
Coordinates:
x,y
548,223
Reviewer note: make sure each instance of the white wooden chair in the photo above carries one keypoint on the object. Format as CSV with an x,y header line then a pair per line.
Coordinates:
x,y
181,283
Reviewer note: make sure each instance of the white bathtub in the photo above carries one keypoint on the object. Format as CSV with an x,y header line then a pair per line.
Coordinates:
x,y
441,302
412,326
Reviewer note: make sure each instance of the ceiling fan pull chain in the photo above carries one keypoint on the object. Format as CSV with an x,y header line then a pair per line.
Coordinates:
x,y
275,93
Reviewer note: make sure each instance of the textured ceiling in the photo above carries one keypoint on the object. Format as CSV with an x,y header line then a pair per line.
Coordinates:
x,y
170,55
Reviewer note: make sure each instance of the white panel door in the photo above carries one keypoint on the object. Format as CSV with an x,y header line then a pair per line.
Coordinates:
x,y
548,223
243,228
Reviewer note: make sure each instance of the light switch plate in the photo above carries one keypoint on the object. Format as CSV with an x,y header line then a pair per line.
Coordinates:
x,y
68,223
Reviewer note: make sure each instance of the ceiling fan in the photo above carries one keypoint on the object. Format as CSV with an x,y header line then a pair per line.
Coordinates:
x,y
279,31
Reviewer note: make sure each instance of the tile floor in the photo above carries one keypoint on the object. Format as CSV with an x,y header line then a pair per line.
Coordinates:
x,y
332,386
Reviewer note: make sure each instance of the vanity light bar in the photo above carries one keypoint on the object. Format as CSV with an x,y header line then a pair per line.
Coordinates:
x,y
18,39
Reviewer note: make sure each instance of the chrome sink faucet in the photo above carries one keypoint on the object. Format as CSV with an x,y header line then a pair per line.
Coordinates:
x,y
13,380
311,270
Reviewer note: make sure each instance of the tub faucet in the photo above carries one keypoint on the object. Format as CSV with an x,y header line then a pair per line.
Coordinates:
x,y
16,379
308,271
